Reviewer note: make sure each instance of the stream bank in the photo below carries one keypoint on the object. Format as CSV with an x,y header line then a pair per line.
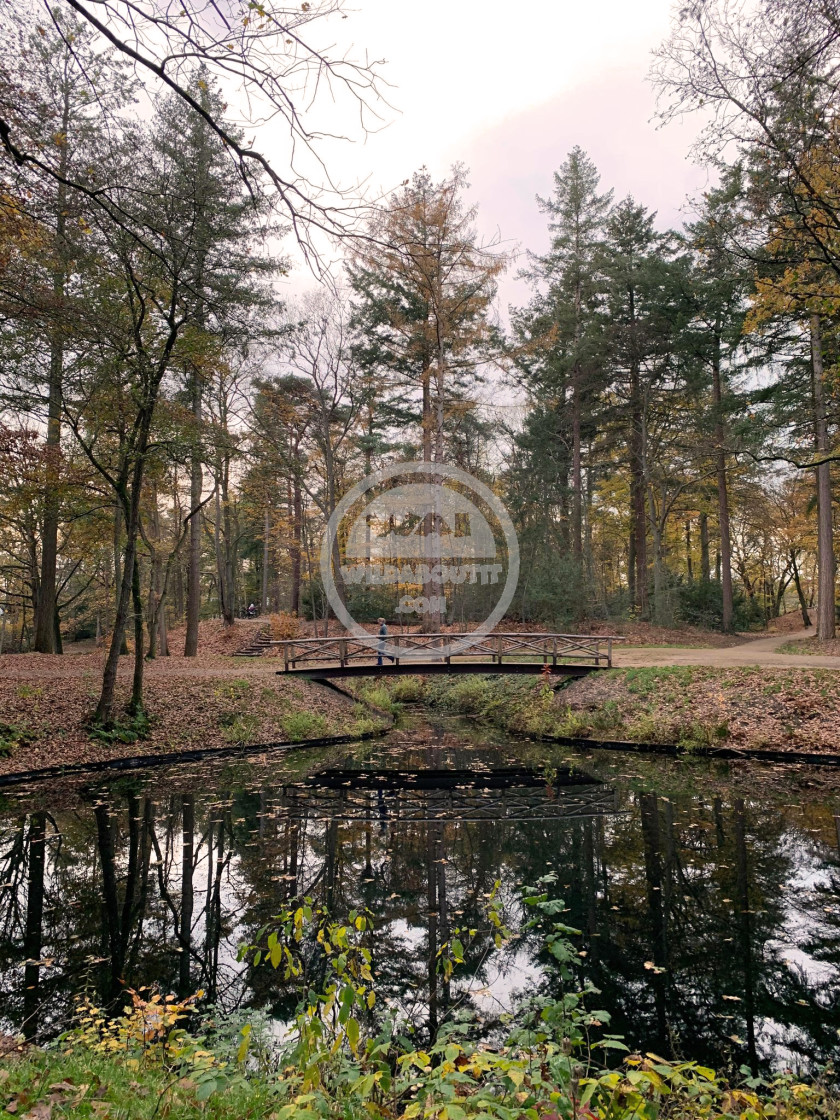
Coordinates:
x,y
691,708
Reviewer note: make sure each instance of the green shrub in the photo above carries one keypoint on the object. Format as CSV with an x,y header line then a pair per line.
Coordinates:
x,y
12,737
239,727
233,690
702,735
342,1056
304,725
126,730
378,695
700,603
468,695
407,690
644,682
648,728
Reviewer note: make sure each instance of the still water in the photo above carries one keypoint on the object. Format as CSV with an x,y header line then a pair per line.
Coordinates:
x,y
707,896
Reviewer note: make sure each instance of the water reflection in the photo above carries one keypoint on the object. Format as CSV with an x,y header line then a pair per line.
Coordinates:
x,y
710,919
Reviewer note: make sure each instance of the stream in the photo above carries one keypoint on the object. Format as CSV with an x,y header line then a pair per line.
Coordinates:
x,y
706,894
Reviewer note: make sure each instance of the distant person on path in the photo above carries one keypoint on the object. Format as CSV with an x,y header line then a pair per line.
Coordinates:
x,y
383,634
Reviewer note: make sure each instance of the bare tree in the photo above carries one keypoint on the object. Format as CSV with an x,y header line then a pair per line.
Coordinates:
x,y
268,61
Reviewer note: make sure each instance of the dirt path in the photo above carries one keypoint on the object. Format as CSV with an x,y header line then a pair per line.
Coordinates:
x,y
763,651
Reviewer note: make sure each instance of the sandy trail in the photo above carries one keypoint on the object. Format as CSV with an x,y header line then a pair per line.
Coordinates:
x,y
762,651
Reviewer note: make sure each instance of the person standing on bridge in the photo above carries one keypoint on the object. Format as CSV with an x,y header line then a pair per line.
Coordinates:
x,y
383,634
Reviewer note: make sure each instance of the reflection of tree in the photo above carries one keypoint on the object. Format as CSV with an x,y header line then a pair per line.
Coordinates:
x,y
656,905
185,918
693,886
744,931
33,935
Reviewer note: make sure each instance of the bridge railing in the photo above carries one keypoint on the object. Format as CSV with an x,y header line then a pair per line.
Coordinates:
x,y
550,649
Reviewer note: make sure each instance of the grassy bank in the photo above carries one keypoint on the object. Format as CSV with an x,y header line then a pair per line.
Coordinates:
x,y
691,706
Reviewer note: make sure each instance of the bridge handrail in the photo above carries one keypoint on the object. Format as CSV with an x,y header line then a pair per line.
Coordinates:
x,y
346,648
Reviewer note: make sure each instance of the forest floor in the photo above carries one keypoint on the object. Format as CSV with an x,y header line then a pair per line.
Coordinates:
x,y
208,701
742,705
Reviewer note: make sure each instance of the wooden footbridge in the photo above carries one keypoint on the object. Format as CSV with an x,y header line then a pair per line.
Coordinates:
x,y
347,656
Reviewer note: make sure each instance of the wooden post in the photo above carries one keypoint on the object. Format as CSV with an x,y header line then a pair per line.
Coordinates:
x,y
554,650
609,653
342,652
286,656
397,644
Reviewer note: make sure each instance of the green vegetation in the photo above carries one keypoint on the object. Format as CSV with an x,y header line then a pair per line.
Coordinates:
x,y
304,725
13,736
127,729
344,1058
525,706
239,727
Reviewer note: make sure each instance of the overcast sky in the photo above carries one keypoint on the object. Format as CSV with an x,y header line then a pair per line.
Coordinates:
x,y
508,90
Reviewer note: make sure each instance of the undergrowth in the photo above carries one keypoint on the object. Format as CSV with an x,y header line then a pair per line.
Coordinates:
x,y
126,729
304,725
13,736
346,1055
650,706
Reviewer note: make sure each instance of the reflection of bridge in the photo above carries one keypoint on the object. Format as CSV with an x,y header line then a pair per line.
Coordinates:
x,y
564,654
513,794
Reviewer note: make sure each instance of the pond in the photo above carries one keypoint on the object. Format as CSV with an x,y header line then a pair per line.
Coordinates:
x,y
707,895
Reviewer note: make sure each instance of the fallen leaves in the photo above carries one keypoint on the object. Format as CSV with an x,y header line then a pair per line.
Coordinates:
x,y
789,709
211,701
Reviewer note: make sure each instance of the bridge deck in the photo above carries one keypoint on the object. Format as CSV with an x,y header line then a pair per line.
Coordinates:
x,y
561,654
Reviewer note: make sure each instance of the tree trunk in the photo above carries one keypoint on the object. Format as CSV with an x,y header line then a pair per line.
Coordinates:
x,y
265,553
136,704
577,474
105,707
705,566
186,916
297,536
118,571
800,594
723,491
194,553
825,526
638,488
689,563
129,492
430,622
110,898
744,927
229,549
660,614
47,605
656,918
